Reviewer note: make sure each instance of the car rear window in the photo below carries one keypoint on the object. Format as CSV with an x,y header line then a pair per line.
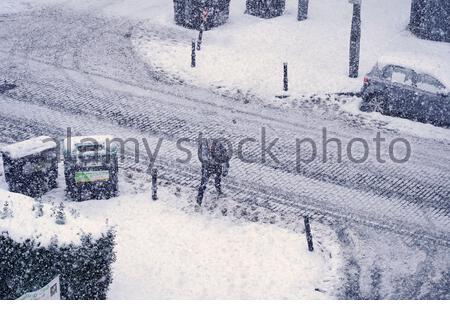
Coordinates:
x,y
399,75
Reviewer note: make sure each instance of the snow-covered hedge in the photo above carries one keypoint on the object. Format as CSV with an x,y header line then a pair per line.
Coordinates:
x,y
39,241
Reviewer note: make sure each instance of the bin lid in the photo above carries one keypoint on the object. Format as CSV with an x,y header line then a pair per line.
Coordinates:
x,y
72,145
29,147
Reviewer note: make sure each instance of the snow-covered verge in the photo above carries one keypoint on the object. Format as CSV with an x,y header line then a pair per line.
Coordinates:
x,y
248,52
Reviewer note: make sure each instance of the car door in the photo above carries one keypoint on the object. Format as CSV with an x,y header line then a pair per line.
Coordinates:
x,y
433,100
401,92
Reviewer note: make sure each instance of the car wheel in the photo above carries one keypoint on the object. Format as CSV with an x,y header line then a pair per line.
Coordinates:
x,y
375,103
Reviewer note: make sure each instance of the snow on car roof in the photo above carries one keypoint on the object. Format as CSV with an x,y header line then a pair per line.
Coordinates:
x,y
29,147
87,140
435,66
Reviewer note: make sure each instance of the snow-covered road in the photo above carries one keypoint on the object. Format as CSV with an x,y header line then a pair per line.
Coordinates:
x,y
85,65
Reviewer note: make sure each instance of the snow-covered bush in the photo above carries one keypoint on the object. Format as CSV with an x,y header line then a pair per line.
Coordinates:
x,y
265,9
35,246
191,13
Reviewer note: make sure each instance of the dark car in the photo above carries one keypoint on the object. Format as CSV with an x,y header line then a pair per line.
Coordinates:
x,y
400,91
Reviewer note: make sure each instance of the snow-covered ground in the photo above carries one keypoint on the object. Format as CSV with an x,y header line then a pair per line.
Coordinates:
x,y
165,250
166,253
248,52
244,58
377,265
13,6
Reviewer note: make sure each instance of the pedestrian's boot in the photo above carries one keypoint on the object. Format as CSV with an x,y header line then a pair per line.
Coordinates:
x,y
220,193
200,198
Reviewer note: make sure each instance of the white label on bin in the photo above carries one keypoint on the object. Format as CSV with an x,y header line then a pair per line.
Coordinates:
x,y
91,176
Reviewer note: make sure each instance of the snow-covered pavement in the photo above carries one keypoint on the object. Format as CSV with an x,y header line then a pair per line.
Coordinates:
x,y
165,253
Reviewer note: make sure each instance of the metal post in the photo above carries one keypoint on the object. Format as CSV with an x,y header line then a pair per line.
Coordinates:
x,y
193,62
309,238
285,77
355,39
200,37
155,184
302,10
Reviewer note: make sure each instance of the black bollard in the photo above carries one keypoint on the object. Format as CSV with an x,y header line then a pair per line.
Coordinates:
x,y
200,38
309,238
155,184
285,77
193,62
355,39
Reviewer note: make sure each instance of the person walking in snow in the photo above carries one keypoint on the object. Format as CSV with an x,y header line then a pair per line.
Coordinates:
x,y
215,159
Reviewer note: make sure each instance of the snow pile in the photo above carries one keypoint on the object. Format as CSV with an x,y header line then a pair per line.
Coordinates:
x,y
29,147
163,253
19,217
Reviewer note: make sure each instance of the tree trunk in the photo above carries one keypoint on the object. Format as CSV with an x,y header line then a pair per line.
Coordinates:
x,y
302,10
355,41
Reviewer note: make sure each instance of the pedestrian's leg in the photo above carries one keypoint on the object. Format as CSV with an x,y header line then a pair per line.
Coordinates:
x,y
218,181
202,187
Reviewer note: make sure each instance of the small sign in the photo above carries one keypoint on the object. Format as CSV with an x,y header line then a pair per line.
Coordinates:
x,y
205,14
91,176
50,292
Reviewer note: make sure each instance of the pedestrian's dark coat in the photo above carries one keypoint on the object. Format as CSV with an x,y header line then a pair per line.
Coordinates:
x,y
215,158
213,153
